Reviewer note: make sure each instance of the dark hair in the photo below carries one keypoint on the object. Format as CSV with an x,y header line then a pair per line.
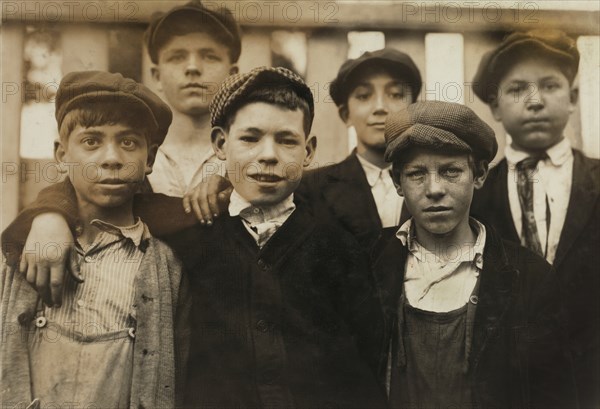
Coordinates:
x,y
476,164
183,24
107,113
279,95
399,73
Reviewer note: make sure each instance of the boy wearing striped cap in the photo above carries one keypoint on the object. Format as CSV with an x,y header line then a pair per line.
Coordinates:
x,y
472,321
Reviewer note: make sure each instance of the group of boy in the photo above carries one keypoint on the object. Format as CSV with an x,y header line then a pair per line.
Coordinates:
x,y
283,306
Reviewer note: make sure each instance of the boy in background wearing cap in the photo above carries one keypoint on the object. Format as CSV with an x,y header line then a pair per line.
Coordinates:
x,y
194,49
285,312
283,305
112,342
472,321
545,194
357,192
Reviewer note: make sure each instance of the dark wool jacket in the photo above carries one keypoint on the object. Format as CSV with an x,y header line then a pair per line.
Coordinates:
x,y
342,193
281,326
577,261
277,327
516,358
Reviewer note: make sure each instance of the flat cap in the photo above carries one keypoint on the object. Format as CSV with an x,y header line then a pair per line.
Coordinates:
x,y
237,86
220,18
85,88
439,125
495,63
395,61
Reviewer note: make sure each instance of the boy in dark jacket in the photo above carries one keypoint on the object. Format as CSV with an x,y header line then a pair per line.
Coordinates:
x,y
545,194
472,321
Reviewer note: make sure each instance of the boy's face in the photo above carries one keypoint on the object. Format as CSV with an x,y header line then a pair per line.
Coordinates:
x,y
376,95
438,189
265,152
190,69
106,163
534,103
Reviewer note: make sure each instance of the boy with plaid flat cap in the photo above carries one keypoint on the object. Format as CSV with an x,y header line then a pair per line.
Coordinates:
x,y
285,312
471,320
194,48
545,194
286,315
119,338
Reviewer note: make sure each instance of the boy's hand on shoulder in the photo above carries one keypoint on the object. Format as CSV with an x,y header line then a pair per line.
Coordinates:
x,y
209,198
48,253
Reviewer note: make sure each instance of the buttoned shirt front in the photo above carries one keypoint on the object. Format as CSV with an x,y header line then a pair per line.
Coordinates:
x,y
103,302
261,222
552,183
441,284
387,200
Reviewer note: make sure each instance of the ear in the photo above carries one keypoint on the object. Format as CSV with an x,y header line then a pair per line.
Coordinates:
x,y
234,69
483,170
398,187
311,147
152,151
344,114
494,107
155,71
60,153
218,137
573,97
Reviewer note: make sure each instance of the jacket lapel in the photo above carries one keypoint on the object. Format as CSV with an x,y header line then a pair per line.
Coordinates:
x,y
503,217
584,195
349,196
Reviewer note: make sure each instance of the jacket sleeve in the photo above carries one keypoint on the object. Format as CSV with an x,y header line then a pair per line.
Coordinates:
x,y
182,337
59,198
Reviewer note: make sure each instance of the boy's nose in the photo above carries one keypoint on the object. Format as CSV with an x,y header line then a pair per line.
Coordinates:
x,y
268,152
193,66
112,158
534,99
434,186
381,105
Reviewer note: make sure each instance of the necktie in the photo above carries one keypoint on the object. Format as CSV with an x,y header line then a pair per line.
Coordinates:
x,y
526,170
263,228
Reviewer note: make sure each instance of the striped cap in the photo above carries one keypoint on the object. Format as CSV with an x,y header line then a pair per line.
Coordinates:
x,y
237,86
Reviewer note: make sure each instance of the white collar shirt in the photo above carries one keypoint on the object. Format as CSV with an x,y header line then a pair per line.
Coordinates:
x,y
387,200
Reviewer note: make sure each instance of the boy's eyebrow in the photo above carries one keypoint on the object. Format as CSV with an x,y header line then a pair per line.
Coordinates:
x,y
91,132
128,132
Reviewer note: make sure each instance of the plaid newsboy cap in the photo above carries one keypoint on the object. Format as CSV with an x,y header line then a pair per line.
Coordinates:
x,y
237,86
83,89
495,63
397,62
439,125
221,18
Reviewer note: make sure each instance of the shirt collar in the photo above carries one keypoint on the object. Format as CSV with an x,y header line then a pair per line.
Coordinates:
x,y
373,172
137,233
407,236
557,154
238,206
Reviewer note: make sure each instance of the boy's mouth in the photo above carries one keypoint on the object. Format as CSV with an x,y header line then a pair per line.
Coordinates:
x,y
536,121
112,182
437,209
266,178
378,125
194,85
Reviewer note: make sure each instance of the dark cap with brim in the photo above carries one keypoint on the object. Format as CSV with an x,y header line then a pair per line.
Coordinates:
x,y
83,89
236,87
222,19
397,62
438,125
540,42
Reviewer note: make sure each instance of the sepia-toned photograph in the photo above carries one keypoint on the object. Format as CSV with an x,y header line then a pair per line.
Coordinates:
x,y
300,204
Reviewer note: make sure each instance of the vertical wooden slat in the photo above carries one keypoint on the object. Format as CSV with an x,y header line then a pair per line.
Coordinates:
x,y
444,71
11,69
256,49
327,51
85,47
589,94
